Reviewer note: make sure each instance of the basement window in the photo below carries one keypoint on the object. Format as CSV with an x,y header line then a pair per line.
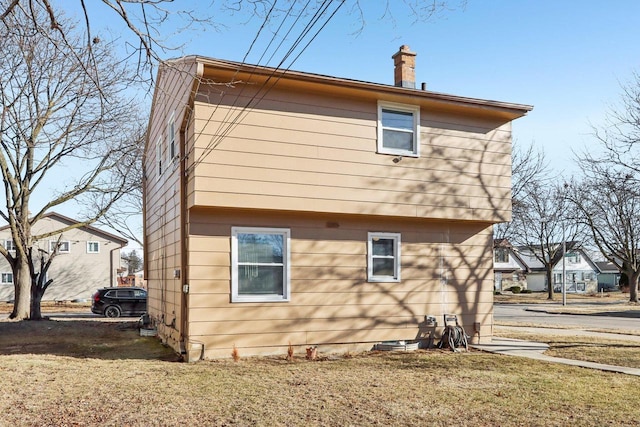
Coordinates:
x,y
398,129
260,260
383,257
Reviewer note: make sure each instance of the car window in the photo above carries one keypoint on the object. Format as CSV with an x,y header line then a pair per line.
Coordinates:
x,y
139,293
110,294
125,294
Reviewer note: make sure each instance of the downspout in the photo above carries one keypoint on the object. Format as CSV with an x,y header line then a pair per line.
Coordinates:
x,y
184,259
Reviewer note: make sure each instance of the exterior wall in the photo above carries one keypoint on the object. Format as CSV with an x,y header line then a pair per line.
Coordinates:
x,y
316,152
77,274
446,268
301,155
162,218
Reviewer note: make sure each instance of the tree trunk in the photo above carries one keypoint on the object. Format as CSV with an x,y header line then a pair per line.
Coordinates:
x,y
22,286
549,276
633,285
36,300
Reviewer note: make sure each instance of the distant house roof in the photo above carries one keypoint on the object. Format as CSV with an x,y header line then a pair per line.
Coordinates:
x,y
88,228
607,267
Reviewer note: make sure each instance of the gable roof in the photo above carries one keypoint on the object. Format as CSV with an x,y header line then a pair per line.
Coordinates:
x,y
248,73
88,228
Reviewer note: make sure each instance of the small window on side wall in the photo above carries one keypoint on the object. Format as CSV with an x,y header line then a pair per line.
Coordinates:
x,y
64,246
93,247
398,129
7,278
260,264
383,257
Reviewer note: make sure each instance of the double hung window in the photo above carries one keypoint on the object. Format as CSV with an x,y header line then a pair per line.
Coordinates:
x,y
383,263
260,264
398,129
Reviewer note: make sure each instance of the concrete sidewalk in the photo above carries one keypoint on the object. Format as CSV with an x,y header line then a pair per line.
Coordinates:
x,y
535,350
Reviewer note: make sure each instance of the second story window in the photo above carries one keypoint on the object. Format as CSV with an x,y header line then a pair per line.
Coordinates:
x,y
93,247
7,278
171,138
501,255
10,245
64,246
398,129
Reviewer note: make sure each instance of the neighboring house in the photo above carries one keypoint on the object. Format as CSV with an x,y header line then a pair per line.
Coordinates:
x,y
580,269
289,208
608,276
88,259
508,268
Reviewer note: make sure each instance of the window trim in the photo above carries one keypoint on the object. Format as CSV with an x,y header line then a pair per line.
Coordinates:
x,y
396,237
6,274
89,251
403,108
286,285
60,250
503,251
13,245
172,148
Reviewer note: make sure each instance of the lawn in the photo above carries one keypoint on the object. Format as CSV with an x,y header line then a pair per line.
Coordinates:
x,y
72,373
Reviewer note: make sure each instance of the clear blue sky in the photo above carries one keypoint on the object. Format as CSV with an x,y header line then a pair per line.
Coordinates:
x,y
567,58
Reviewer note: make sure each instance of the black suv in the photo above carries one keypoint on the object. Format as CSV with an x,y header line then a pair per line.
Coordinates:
x,y
116,302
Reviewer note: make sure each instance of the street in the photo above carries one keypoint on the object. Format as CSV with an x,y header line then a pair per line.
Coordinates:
x,y
533,314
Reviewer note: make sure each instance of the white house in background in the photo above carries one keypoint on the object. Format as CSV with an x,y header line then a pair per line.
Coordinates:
x,y
88,259
581,271
508,267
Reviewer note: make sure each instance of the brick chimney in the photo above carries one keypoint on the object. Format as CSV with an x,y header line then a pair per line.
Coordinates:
x,y
405,67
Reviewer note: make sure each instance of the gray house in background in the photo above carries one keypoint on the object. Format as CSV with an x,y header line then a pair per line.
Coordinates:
x,y
89,259
609,276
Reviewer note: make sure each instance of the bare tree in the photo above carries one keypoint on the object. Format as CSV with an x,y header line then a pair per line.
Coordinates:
x,y
57,116
543,223
529,169
608,202
608,197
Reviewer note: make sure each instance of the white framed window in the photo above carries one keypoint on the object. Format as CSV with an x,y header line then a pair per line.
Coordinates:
x,y
383,257
93,247
159,157
398,129
64,246
172,149
10,245
260,259
501,255
6,278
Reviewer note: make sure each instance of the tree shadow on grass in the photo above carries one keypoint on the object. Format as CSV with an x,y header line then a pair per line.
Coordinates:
x,y
81,339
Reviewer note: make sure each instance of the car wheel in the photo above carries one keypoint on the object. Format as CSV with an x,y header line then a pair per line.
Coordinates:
x,y
112,311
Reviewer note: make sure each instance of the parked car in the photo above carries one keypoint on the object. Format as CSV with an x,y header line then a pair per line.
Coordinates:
x,y
121,301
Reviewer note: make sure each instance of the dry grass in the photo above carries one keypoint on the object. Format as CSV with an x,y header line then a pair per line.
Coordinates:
x,y
76,373
542,298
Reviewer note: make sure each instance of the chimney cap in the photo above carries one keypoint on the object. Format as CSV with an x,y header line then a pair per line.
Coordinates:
x,y
404,50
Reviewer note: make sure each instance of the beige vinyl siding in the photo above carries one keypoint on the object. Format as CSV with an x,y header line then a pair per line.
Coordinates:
x,y
445,268
313,153
163,243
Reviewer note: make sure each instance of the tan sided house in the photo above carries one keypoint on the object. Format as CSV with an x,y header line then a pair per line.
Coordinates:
x,y
88,259
290,208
